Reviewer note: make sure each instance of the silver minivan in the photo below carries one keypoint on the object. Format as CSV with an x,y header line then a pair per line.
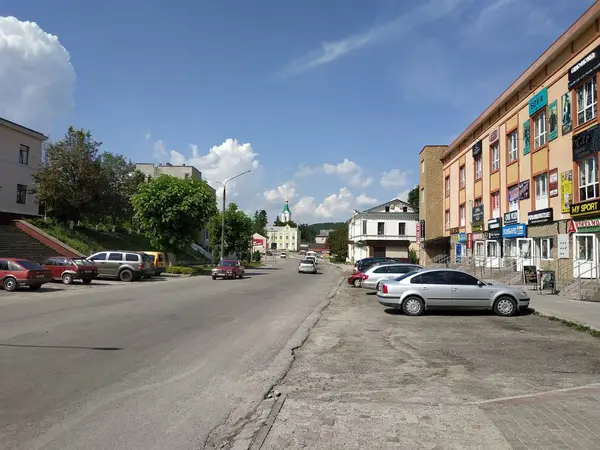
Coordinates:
x,y
124,265
380,272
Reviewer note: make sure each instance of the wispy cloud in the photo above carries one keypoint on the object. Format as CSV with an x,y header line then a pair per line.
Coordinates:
x,y
328,52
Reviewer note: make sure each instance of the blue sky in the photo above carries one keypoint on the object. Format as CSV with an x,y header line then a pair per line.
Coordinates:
x,y
327,101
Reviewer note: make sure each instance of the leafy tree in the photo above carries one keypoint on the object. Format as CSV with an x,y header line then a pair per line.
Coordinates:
x,y
68,184
238,232
260,222
307,233
337,241
278,223
171,211
413,198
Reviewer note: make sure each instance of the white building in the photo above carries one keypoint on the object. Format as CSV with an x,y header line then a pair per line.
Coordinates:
x,y
389,230
284,237
259,243
322,237
20,159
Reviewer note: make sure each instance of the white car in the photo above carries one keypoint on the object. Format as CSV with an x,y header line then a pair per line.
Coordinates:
x,y
307,266
283,255
313,259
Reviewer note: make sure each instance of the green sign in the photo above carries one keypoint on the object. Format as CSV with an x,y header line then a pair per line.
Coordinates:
x,y
360,244
553,121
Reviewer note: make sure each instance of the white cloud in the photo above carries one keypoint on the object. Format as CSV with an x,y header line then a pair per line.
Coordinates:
x,y
365,200
333,207
286,191
160,152
347,170
37,80
148,135
394,178
403,195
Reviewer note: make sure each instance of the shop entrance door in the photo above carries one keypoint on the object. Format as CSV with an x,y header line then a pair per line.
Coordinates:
x,y
585,263
480,253
493,255
524,253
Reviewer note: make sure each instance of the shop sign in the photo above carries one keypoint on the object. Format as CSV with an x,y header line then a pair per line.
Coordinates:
x,y
477,148
494,136
479,236
524,190
584,226
563,246
511,217
422,229
257,242
553,183
462,237
495,229
477,215
585,144
588,65
566,188
518,230
585,208
477,227
540,216
418,232
538,101
454,230
469,240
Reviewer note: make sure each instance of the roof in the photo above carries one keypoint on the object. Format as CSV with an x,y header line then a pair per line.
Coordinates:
x,y
286,208
23,129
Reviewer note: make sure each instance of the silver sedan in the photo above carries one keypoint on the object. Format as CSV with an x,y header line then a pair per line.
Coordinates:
x,y
416,292
307,266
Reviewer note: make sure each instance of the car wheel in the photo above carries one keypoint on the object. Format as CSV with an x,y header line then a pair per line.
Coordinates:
x,y
413,306
35,287
67,278
126,275
214,278
10,284
86,280
357,282
505,306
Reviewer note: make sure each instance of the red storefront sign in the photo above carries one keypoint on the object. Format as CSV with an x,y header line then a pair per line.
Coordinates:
x,y
258,242
469,240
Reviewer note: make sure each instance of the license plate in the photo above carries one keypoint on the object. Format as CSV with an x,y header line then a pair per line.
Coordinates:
x,y
41,276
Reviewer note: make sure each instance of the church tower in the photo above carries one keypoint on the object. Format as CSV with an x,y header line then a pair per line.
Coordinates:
x,y
286,214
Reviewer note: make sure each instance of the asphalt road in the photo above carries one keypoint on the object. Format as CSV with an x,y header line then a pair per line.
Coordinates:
x,y
146,365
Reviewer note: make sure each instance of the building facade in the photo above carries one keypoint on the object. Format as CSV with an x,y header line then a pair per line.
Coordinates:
x,y
389,229
259,243
520,184
20,159
321,238
285,237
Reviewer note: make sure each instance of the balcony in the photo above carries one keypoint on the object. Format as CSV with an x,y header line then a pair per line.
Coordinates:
x,y
383,237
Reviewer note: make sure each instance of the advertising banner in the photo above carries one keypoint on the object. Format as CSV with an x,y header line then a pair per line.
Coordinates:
x,y
553,183
566,189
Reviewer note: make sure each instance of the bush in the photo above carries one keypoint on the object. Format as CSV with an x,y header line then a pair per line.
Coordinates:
x,y
256,256
413,256
182,270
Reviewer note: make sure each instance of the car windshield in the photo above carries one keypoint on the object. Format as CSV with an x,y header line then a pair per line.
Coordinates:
x,y
29,265
226,263
307,261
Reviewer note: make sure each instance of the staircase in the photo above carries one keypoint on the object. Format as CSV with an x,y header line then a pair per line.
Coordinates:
x,y
16,244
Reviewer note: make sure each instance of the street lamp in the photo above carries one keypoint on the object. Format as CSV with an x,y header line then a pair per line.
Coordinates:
x,y
224,184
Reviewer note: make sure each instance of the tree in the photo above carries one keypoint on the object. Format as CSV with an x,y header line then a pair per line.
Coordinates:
x,y
260,222
68,184
172,211
238,232
278,223
337,241
413,198
307,233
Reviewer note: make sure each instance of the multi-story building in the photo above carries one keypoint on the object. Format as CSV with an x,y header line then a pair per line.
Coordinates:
x,y
389,229
434,246
20,158
522,180
321,238
284,237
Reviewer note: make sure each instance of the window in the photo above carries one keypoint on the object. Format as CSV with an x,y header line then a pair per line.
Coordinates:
x,y
387,209
433,277
3,265
478,167
404,209
587,101
463,215
423,166
21,194
539,130
463,279
115,257
478,202
447,186
401,229
23,154
513,198
513,146
510,248
131,257
588,179
380,228
364,227
463,176
99,257
546,245
495,153
447,220
541,191
495,197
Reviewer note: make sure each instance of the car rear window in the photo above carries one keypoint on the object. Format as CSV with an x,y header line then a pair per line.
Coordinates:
x,y
307,261
160,257
227,263
30,265
131,257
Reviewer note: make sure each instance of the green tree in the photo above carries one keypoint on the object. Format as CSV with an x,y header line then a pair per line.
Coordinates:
x,y
413,198
68,184
172,211
278,223
337,241
307,233
260,222
238,232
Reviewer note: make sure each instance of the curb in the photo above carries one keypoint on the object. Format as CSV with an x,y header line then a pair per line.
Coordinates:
x,y
579,326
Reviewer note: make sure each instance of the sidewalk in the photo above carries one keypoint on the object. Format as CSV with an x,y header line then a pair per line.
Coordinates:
x,y
584,313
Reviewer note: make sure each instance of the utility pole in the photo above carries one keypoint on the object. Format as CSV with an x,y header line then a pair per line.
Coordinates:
x,y
224,184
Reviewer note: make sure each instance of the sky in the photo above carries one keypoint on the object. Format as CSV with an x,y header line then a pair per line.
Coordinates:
x,y
327,102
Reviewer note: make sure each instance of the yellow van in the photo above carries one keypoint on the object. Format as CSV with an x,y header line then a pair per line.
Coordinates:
x,y
159,261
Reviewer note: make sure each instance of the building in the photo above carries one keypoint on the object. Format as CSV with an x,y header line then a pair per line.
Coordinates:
x,y
284,237
521,182
259,243
434,246
389,229
322,237
20,159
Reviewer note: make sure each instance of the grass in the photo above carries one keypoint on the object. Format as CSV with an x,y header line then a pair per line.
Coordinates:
x,y
573,325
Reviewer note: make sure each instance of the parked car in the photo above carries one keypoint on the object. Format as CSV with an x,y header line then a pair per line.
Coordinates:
x,y
355,279
417,292
283,255
69,269
229,268
377,273
159,259
313,258
122,264
307,266
363,264
17,272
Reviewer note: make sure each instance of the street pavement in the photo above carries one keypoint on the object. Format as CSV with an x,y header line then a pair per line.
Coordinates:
x,y
368,377
153,365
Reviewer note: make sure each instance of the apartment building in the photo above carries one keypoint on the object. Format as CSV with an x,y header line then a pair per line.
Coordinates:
x,y
20,158
522,180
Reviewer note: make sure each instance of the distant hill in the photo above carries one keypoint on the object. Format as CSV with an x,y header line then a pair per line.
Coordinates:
x,y
316,227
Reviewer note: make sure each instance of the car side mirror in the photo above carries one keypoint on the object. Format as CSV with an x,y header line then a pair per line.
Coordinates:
x,y
480,283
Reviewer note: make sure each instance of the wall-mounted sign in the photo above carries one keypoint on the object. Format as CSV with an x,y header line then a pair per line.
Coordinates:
x,y
588,65
477,215
586,143
477,148
494,136
495,229
565,106
584,226
553,183
540,216
563,246
566,189
454,230
585,208
422,229
469,240
418,232
553,120
538,101
477,227
511,217
257,242
526,137
524,190
518,230
462,237
479,236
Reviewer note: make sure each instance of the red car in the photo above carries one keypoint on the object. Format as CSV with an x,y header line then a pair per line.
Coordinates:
x,y
355,279
231,268
69,269
17,272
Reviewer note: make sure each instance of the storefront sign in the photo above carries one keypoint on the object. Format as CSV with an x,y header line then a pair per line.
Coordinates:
x,y
418,232
422,222
540,217
477,215
566,188
494,136
585,144
524,190
479,236
585,208
553,182
469,240
257,242
514,231
477,148
563,246
462,237
511,217
588,65
526,137
584,226
495,229
477,227
538,101
454,230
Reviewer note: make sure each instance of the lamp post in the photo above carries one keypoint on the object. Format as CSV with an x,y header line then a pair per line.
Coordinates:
x,y
224,184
